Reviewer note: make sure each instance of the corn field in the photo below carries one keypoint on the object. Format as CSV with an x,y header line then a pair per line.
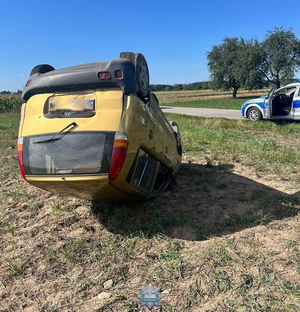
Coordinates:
x,y
10,103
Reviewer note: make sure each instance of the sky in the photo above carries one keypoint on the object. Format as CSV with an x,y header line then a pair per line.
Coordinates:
x,y
174,36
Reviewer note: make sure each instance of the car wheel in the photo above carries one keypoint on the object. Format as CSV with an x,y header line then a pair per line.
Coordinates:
x,y
142,75
41,69
254,114
177,136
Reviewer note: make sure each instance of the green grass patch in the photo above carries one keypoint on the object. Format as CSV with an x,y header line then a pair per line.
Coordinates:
x,y
224,103
76,245
9,124
265,146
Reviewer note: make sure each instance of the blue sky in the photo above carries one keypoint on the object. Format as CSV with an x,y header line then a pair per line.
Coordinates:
x,y
173,35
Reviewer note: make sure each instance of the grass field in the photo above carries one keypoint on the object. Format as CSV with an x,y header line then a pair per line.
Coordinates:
x,y
222,103
207,98
246,143
225,237
194,98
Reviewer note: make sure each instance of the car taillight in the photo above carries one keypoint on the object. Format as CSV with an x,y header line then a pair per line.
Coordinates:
x,y
104,75
118,155
119,74
20,157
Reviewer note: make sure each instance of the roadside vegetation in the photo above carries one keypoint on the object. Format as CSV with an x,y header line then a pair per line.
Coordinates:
x,y
246,143
221,103
207,98
9,103
187,98
238,63
201,85
225,237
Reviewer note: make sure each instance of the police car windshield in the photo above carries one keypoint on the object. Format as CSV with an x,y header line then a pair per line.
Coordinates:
x,y
270,93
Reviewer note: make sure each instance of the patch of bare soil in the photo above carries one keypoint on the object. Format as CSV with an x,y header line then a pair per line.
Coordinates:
x,y
220,239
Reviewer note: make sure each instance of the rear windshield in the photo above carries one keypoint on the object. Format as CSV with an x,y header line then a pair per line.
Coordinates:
x,y
74,153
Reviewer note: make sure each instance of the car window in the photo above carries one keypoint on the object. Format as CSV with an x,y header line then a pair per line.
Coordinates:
x,y
290,91
287,91
154,105
75,153
298,92
271,93
145,171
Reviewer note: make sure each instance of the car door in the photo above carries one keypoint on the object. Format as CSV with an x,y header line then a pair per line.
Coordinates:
x,y
267,108
296,104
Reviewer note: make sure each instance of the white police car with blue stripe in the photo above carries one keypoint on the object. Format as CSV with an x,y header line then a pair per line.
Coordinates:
x,y
280,104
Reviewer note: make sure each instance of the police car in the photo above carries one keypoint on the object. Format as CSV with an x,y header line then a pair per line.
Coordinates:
x,y
280,104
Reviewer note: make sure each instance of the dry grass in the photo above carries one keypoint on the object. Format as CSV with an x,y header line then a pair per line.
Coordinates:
x,y
221,239
201,95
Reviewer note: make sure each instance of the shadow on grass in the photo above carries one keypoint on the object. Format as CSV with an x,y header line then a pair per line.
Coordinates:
x,y
284,122
206,201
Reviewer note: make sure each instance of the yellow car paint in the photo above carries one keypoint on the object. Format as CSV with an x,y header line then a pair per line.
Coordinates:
x,y
144,124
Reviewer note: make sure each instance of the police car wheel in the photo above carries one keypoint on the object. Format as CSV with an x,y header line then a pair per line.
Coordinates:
x,y
254,114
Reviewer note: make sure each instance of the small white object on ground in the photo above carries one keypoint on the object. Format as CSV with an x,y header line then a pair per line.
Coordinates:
x,y
166,291
104,295
108,284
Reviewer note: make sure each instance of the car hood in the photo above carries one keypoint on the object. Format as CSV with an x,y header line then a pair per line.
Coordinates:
x,y
254,101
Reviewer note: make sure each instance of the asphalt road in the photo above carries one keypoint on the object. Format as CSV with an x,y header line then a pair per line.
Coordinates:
x,y
204,112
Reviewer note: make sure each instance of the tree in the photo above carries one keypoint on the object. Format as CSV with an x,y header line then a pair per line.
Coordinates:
x,y
278,56
231,65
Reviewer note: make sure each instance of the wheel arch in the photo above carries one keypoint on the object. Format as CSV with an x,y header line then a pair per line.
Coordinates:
x,y
253,105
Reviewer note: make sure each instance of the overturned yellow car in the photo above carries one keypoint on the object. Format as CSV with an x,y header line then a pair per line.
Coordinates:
x,y
95,131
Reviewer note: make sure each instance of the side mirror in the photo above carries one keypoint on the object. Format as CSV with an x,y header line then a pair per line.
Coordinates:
x,y
155,97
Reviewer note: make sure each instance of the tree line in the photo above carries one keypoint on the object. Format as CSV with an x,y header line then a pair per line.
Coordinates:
x,y
202,85
19,92
250,64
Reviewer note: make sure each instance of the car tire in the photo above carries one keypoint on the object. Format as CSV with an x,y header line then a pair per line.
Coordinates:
x,y
177,136
142,75
41,69
254,114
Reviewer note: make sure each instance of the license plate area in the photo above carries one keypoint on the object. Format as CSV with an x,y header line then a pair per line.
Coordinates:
x,y
70,105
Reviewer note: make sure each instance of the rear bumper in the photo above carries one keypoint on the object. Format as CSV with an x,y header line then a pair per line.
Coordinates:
x,y
85,187
83,77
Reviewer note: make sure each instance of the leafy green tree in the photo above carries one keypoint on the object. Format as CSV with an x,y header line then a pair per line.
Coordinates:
x,y
232,65
278,56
